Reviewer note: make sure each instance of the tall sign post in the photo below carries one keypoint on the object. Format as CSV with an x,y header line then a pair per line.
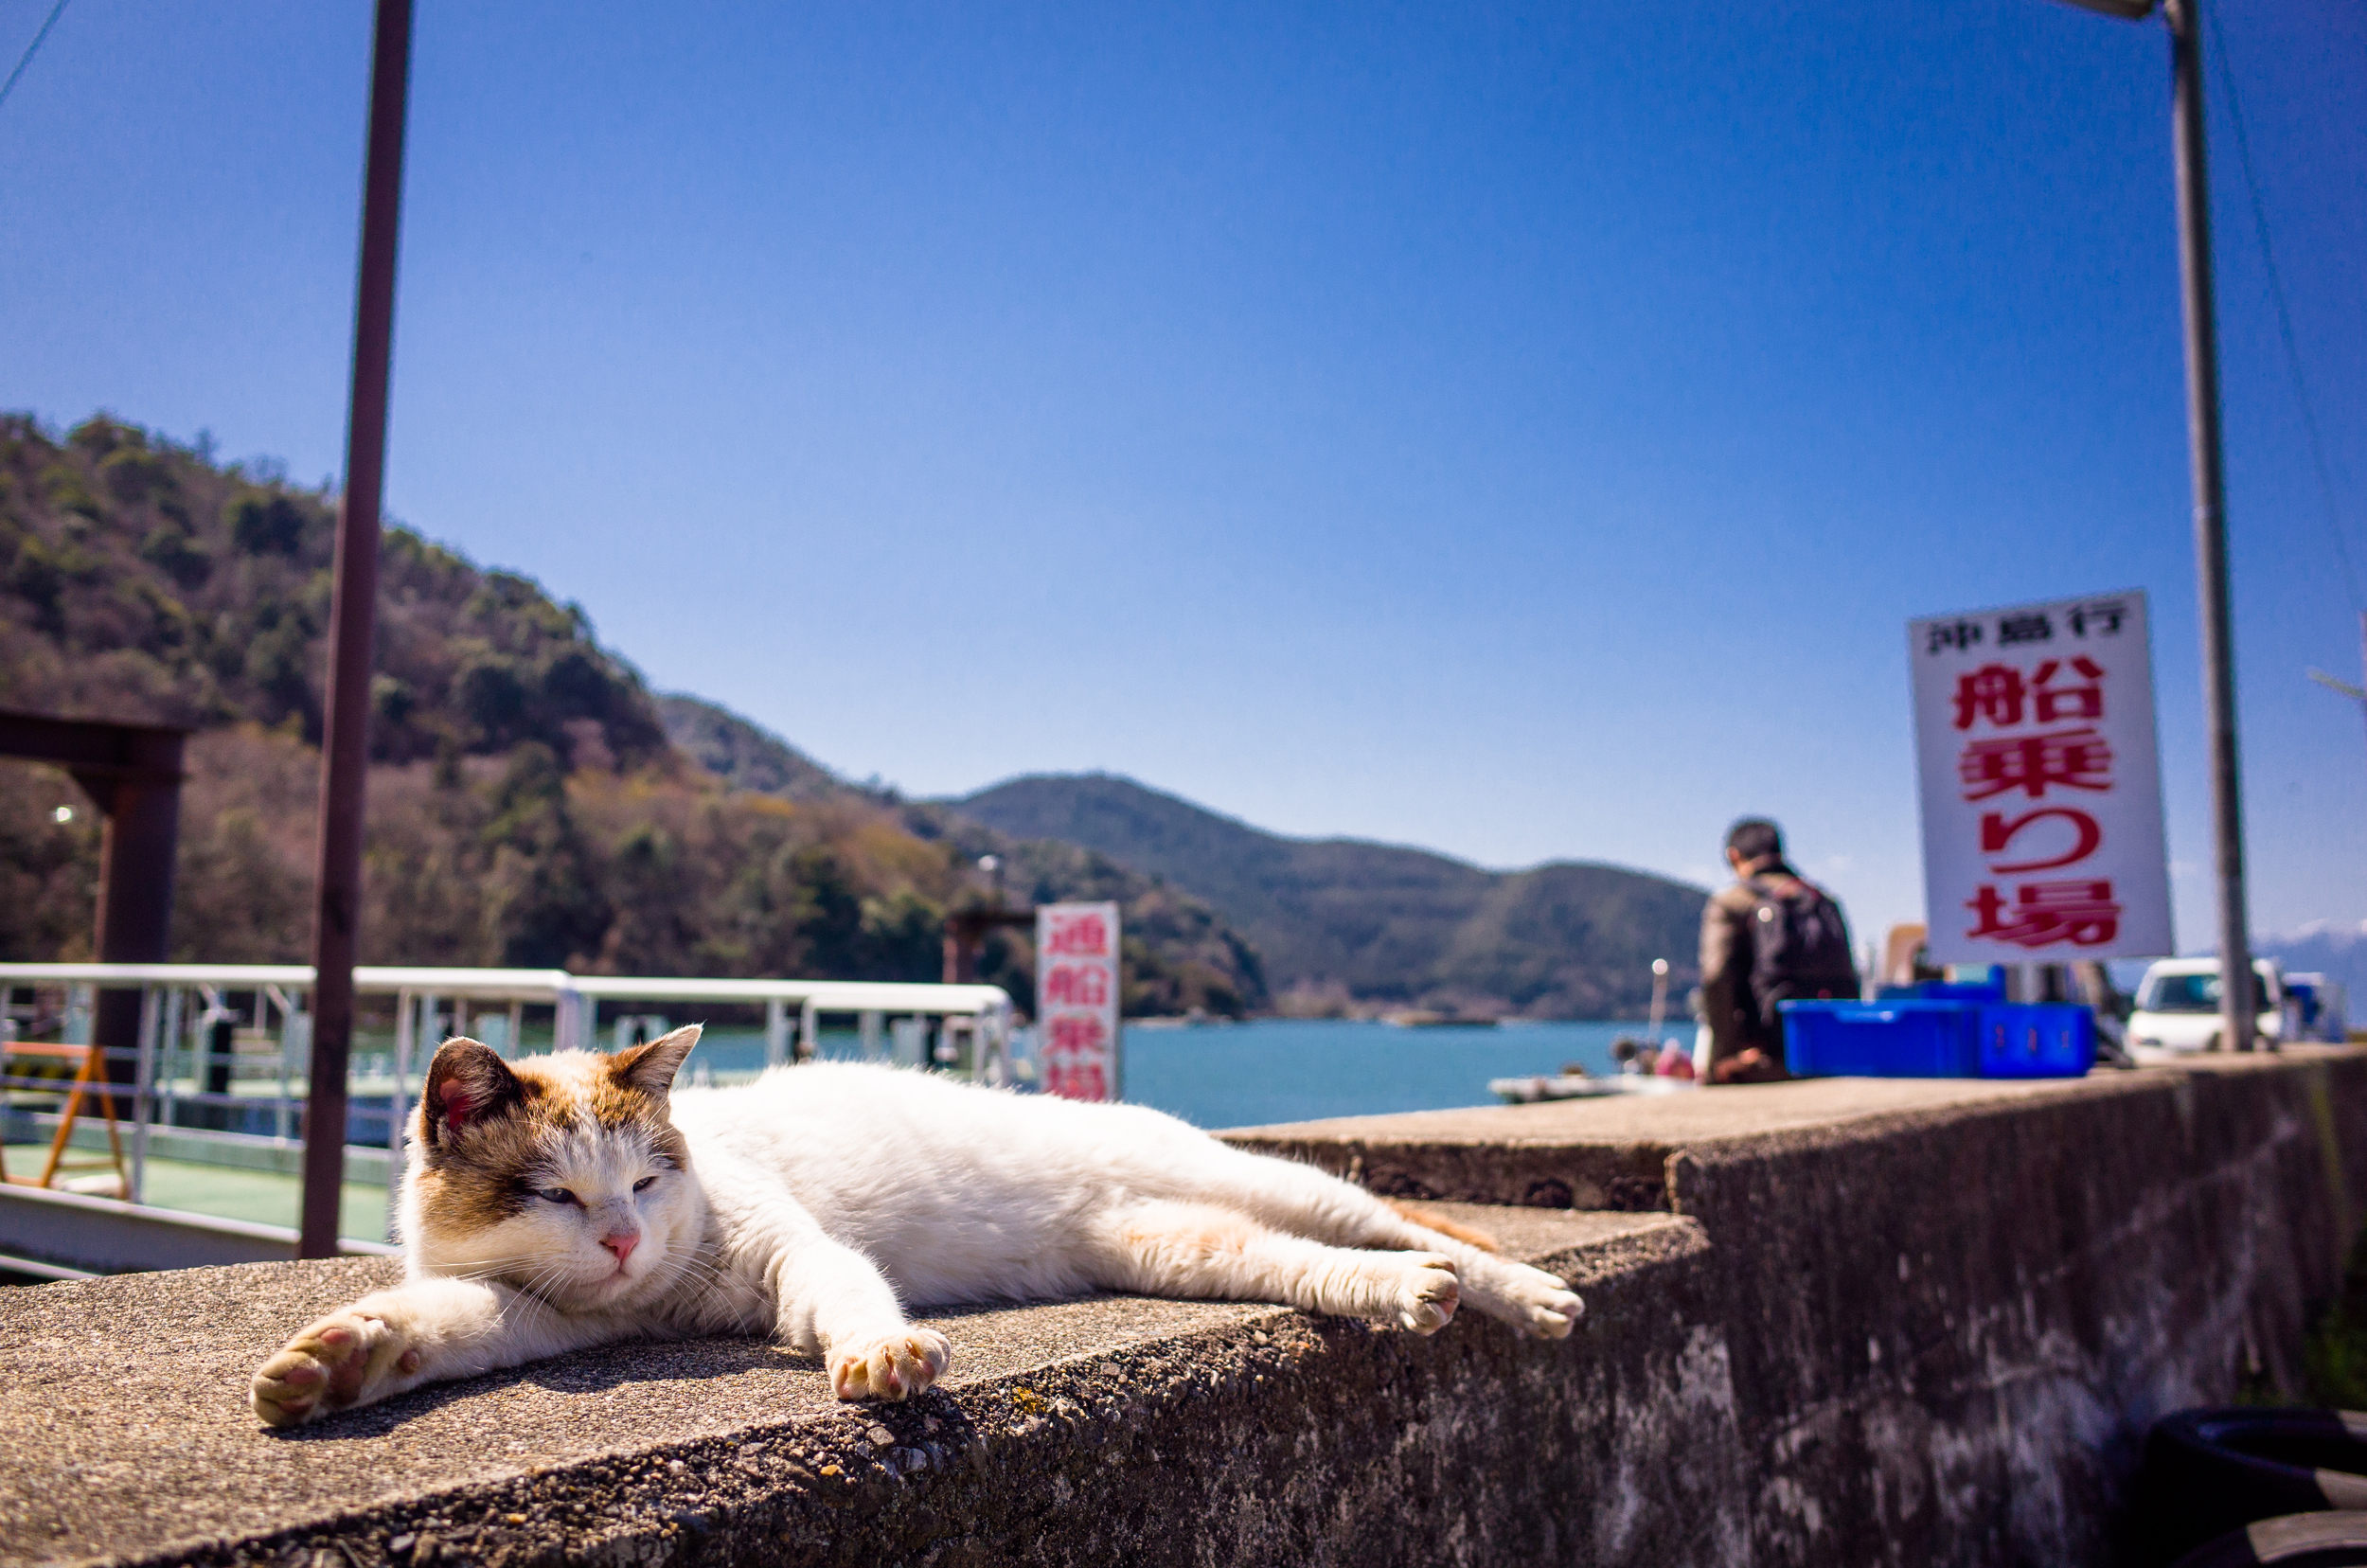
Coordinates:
x,y
2237,1008
2236,1005
1077,1001
352,619
2042,838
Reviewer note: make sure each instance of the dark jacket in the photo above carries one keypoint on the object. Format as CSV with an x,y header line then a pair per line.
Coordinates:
x,y
1727,1003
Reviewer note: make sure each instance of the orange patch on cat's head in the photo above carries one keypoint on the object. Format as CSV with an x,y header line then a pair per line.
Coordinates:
x,y
486,1128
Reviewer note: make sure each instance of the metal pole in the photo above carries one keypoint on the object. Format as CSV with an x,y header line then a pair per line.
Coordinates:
x,y
775,1032
172,1042
346,748
395,1110
2236,1010
143,1092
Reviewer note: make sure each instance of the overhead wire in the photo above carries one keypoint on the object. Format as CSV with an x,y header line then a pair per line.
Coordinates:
x,y
30,49
2285,315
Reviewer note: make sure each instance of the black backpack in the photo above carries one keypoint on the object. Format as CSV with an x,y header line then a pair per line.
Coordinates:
x,y
1799,947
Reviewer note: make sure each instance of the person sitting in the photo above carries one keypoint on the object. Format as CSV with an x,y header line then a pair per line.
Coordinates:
x,y
1772,936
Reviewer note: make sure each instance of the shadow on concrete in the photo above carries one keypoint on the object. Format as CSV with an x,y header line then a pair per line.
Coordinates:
x,y
674,1363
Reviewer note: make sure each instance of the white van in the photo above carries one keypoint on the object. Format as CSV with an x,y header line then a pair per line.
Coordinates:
x,y
2178,1007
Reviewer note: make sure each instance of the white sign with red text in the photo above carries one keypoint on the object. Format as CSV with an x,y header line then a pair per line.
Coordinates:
x,y
2041,783
1077,999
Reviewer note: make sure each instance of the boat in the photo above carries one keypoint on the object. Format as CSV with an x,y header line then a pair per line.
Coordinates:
x,y
1632,1053
1583,1086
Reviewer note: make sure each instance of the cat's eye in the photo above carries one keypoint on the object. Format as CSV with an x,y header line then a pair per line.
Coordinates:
x,y
554,1195
643,1184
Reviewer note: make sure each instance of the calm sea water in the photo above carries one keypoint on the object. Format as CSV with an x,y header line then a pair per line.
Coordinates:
x,y
1276,1070
1244,1074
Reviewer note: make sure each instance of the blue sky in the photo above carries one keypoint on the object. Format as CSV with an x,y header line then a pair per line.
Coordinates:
x,y
1517,431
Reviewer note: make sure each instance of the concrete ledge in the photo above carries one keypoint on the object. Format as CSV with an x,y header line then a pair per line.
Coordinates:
x,y
1613,1152
1082,1432
103,1235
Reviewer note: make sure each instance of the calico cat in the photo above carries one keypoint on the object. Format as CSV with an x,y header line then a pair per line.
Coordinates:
x,y
575,1200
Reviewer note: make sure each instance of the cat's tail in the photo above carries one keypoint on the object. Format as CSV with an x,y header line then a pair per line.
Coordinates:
x,y
1444,1226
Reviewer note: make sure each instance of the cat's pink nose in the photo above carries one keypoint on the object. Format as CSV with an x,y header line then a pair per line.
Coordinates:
x,y
622,1245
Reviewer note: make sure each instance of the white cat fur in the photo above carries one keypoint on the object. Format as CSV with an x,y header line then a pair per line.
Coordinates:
x,y
822,1201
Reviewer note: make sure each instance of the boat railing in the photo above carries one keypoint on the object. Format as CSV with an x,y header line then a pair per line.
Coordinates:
x,y
183,1087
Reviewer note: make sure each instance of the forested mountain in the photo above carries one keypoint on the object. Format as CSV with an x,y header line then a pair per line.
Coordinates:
x,y
140,580
527,806
744,755
532,803
1344,925
1180,955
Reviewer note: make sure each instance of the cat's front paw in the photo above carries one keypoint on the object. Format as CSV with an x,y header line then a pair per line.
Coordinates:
x,y
1429,1294
894,1365
346,1358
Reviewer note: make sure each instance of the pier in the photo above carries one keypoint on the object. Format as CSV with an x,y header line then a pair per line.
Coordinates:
x,y
1827,1322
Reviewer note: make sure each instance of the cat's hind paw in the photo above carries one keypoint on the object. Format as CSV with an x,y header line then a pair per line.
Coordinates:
x,y
1553,1314
343,1360
888,1366
1429,1294
1541,1304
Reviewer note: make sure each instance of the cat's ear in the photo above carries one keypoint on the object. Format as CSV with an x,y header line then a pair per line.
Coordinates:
x,y
465,1084
650,1068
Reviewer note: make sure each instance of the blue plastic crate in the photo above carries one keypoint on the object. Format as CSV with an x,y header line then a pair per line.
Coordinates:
x,y
2036,1040
1962,991
1910,1038
1943,991
1900,1039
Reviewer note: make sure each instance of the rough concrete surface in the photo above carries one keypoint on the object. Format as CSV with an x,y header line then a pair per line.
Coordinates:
x,y
1078,1431
1871,1323
1613,1153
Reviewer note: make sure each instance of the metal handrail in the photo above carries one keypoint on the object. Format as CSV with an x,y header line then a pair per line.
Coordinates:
x,y
168,1025
539,985
526,984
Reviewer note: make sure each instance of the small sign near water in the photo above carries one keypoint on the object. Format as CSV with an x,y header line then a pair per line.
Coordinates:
x,y
2041,783
1077,999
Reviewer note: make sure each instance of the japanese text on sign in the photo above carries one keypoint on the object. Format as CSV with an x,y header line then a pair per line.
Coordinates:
x,y
1077,999
2042,789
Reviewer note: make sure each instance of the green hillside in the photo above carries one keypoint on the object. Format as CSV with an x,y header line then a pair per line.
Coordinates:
x,y
140,580
1180,955
1344,925
527,805
744,755
532,803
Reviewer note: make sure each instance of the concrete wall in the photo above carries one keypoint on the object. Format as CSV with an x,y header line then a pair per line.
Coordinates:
x,y
1842,1322
1951,1310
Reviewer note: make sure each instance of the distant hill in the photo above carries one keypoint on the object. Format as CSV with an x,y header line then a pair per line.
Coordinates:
x,y
1180,956
531,802
1344,925
2337,951
742,753
140,579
